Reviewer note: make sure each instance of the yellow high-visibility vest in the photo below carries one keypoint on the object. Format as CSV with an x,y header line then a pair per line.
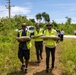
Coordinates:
x,y
50,42
27,43
38,33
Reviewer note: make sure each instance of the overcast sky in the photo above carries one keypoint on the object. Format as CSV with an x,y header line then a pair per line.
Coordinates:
x,y
57,9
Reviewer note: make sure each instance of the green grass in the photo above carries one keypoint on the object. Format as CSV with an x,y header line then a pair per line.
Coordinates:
x,y
9,61
68,56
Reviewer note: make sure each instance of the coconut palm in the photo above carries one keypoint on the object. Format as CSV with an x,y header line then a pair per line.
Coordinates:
x,y
38,17
68,20
45,17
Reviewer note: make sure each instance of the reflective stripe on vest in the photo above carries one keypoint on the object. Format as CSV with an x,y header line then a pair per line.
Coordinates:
x,y
51,33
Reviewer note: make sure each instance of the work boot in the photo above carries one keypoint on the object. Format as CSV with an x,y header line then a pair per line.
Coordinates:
x,y
52,66
47,70
23,68
26,70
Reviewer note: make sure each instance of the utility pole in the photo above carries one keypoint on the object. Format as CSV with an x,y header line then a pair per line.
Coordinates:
x,y
9,8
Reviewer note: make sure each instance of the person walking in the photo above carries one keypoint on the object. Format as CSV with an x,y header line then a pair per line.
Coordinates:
x,y
59,34
24,48
62,35
50,45
38,43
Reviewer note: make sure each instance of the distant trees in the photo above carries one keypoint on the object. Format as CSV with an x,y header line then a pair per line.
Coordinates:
x,y
68,20
15,22
55,25
21,19
32,20
38,17
46,17
43,16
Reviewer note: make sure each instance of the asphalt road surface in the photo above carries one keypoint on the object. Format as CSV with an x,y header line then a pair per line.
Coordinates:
x,y
69,36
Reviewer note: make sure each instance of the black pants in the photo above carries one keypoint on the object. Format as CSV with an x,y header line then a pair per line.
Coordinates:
x,y
61,37
39,49
48,50
24,54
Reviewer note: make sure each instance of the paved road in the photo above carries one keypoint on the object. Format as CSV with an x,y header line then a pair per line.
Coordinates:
x,y
69,36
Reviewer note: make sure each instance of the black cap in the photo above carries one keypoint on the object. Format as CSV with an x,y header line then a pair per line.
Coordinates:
x,y
49,25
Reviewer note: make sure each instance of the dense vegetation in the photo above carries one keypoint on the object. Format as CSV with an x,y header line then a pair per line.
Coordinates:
x,y
68,56
9,61
9,46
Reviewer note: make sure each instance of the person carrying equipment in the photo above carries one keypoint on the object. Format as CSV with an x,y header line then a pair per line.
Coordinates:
x,y
38,43
50,45
24,48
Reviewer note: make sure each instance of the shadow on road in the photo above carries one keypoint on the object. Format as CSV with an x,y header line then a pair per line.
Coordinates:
x,y
43,73
16,73
33,63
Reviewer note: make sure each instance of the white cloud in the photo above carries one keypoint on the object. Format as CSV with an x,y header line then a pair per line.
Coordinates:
x,y
31,16
3,11
61,20
73,9
20,10
14,11
74,20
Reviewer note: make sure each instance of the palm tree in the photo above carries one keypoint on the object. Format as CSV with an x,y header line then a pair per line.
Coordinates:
x,y
32,20
54,24
68,20
38,17
45,17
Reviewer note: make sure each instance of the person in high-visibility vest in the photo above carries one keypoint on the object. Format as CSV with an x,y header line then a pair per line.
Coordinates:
x,y
38,43
24,48
50,45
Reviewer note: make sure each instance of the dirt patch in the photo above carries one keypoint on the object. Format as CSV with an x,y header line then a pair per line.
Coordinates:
x,y
39,69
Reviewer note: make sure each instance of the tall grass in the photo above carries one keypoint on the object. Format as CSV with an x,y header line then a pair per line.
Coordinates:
x,y
9,61
68,56
8,53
